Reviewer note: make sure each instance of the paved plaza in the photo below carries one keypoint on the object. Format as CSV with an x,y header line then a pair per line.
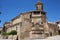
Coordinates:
x,y
49,38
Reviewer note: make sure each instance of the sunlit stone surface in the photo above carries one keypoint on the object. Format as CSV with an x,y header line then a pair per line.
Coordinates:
x,y
5,39
49,38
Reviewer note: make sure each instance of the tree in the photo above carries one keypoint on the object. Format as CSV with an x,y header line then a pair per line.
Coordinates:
x,y
13,32
5,34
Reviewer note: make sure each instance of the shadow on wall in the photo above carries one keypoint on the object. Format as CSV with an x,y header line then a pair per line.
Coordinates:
x,y
59,32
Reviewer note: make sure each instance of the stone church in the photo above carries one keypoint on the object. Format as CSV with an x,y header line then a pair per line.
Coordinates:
x,y
32,24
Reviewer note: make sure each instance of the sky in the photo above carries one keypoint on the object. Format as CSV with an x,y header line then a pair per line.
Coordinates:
x,y
12,8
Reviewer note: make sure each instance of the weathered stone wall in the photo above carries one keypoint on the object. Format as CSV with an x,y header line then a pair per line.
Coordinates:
x,y
9,29
17,20
26,26
53,29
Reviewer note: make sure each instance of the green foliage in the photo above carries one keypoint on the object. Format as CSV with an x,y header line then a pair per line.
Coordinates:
x,y
9,33
4,33
13,32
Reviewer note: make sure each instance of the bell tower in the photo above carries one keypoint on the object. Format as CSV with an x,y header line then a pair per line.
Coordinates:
x,y
39,6
40,27
39,16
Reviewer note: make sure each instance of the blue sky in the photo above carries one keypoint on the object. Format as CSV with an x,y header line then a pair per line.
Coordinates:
x,y
12,8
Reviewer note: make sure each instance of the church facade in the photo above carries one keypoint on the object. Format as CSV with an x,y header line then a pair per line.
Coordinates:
x,y
32,24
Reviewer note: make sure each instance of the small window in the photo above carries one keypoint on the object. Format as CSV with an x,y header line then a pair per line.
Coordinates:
x,y
37,12
43,13
41,22
30,16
